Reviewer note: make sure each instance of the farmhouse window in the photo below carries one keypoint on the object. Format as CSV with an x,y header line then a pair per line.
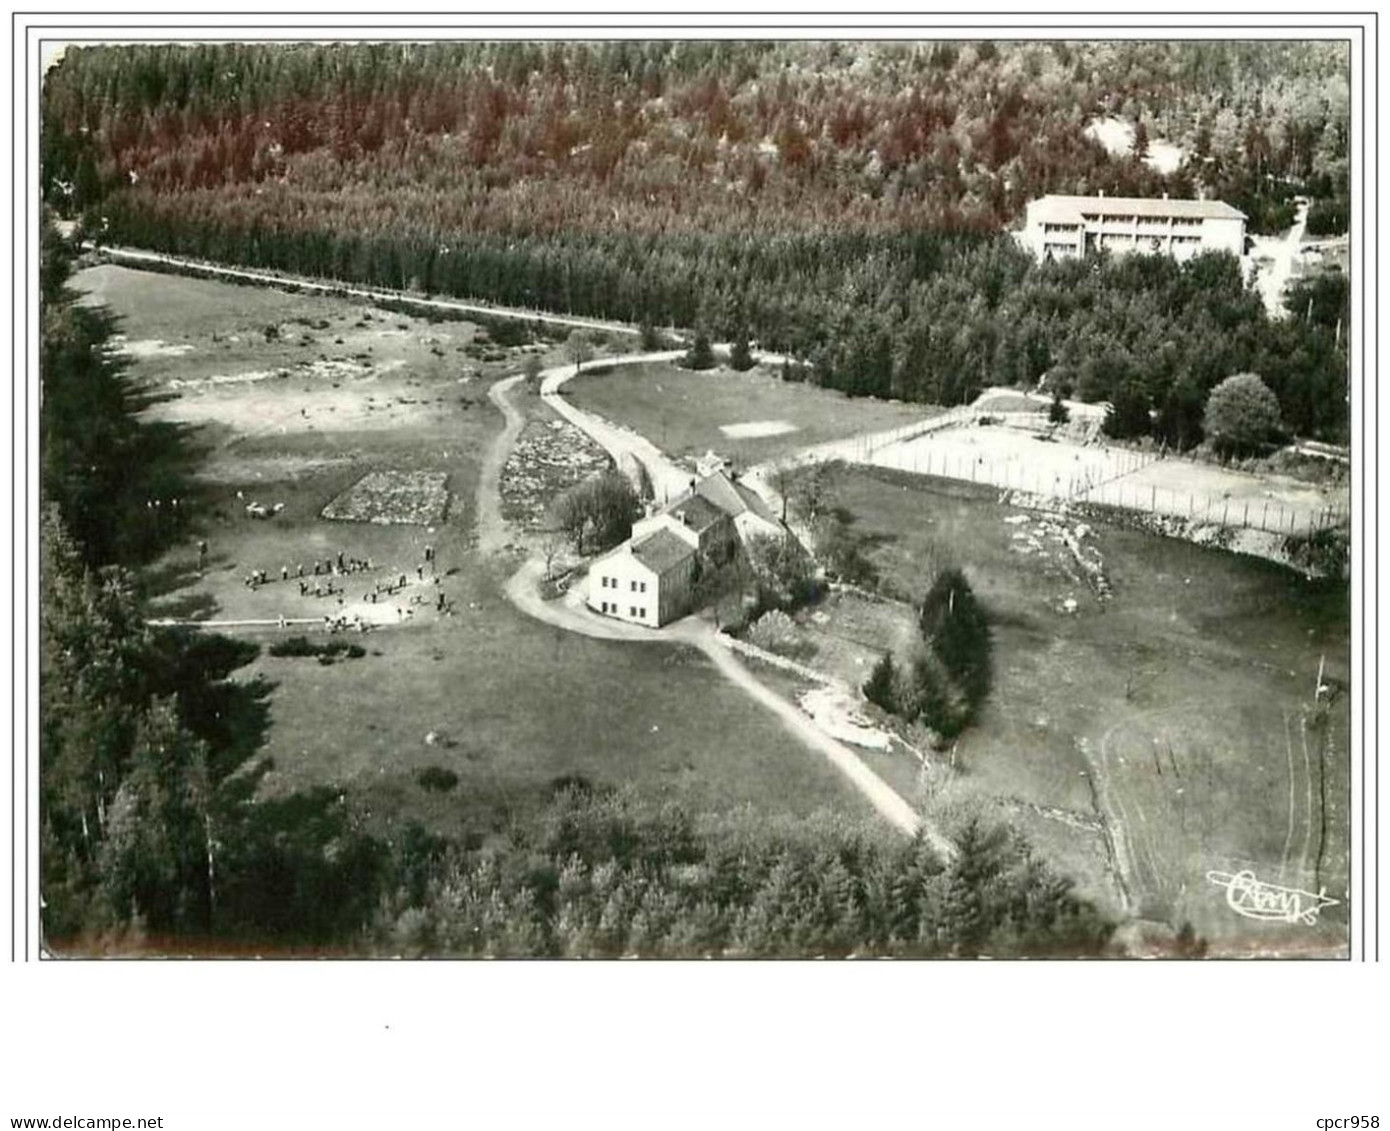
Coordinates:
x,y
644,587
644,614
634,586
631,611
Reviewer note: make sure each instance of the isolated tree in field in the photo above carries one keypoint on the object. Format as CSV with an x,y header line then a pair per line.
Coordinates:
x,y
579,348
1242,415
531,369
701,352
740,355
955,627
1057,411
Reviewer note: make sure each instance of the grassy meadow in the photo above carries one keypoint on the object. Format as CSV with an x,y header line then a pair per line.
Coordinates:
x,y
511,705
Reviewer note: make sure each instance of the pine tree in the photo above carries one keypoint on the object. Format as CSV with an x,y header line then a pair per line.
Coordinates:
x,y
701,352
878,688
740,356
955,628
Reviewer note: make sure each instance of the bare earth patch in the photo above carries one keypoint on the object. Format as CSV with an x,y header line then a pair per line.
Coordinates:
x,y
149,347
416,498
755,429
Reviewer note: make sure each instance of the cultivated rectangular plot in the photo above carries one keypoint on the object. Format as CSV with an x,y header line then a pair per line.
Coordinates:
x,y
393,497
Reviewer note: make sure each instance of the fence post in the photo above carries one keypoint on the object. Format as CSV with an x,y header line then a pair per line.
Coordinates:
x,y
1153,498
1264,518
1246,520
1226,513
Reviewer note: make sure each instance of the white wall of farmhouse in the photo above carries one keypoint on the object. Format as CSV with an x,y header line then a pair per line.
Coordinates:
x,y
621,586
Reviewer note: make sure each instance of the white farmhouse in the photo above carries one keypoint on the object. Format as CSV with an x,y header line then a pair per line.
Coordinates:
x,y
646,581
1068,227
650,579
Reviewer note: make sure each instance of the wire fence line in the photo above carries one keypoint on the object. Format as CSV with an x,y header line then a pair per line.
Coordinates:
x,y
1111,483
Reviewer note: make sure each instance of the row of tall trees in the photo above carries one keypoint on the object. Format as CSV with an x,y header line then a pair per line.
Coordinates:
x,y
922,316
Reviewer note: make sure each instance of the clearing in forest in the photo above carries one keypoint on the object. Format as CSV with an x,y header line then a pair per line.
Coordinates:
x,y
1149,693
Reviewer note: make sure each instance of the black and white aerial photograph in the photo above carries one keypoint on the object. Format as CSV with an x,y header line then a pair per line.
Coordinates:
x,y
791,498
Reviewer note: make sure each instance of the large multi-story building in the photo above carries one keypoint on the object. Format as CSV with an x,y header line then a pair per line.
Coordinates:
x,y
1067,227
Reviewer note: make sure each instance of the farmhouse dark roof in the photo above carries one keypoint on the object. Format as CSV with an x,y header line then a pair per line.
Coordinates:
x,y
661,552
719,490
697,512
754,502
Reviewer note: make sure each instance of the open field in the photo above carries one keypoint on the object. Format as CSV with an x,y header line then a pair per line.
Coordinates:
x,y
515,705
512,704
686,413
1185,697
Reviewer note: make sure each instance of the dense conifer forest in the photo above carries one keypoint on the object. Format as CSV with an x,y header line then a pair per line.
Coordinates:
x,y
844,203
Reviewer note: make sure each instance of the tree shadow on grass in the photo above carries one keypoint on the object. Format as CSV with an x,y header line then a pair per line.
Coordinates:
x,y
231,716
300,872
189,606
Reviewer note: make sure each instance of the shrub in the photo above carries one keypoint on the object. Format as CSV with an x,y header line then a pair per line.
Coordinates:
x,y
740,356
879,687
302,646
701,353
1324,553
1328,217
776,632
436,779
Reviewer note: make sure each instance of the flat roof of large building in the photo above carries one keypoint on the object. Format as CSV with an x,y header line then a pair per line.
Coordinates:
x,y
1071,209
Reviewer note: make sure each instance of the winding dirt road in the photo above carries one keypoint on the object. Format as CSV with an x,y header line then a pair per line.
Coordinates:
x,y
571,615
668,479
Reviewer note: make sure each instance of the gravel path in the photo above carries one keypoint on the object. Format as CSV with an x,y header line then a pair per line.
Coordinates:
x,y
668,478
268,278
570,614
